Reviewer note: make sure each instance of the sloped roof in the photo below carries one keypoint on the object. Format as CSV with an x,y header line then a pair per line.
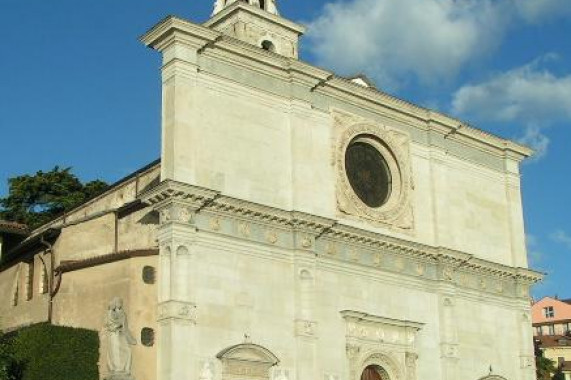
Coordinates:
x,y
13,228
562,311
547,341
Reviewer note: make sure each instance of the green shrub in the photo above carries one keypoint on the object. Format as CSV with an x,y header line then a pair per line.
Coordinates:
x,y
47,352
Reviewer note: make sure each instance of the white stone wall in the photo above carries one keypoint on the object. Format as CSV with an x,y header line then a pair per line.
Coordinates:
x,y
257,147
258,242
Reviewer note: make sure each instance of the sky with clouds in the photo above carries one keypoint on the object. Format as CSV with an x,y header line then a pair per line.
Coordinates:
x,y
79,90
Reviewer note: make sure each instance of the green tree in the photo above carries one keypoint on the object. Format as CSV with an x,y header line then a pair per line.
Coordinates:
x,y
544,367
39,198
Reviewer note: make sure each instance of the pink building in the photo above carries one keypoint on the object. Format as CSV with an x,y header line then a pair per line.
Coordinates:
x,y
552,329
551,317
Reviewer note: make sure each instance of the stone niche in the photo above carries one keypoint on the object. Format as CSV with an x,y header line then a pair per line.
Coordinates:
x,y
247,361
382,344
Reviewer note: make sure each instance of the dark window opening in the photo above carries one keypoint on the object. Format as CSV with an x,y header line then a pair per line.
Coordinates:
x,y
269,46
147,337
368,174
149,275
263,4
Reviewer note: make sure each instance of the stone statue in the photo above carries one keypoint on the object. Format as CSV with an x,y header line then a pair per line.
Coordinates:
x,y
207,373
119,340
218,6
272,7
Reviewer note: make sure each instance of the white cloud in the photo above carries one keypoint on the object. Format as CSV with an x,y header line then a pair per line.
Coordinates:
x,y
534,138
539,10
533,253
525,93
390,39
528,96
562,237
431,40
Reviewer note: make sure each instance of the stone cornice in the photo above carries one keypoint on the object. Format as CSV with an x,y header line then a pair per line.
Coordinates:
x,y
199,199
228,49
240,6
163,32
357,316
173,191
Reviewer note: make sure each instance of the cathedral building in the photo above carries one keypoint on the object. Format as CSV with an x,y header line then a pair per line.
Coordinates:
x,y
298,226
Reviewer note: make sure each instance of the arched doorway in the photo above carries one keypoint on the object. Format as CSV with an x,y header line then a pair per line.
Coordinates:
x,y
374,372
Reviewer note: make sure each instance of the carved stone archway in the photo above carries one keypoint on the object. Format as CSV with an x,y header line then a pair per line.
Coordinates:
x,y
247,360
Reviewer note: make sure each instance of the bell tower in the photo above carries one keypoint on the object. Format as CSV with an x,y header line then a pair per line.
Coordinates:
x,y
258,23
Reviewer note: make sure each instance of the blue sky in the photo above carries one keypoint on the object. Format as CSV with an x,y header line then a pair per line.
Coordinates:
x,y
78,89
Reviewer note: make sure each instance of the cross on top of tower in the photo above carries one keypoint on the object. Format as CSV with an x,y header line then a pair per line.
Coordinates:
x,y
267,5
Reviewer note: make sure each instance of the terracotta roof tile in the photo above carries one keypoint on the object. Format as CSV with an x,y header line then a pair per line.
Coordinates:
x,y
553,340
13,228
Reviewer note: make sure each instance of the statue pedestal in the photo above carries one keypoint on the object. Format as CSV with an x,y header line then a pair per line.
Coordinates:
x,y
119,376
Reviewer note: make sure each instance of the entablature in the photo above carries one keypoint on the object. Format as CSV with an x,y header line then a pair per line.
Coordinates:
x,y
212,212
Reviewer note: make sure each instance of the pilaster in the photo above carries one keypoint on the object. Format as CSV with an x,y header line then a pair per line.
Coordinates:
x,y
447,316
177,205
306,229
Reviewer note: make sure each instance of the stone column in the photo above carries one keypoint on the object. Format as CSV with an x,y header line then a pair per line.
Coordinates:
x,y
176,350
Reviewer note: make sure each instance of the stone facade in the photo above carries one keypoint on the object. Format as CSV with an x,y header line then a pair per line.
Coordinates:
x,y
263,237
269,265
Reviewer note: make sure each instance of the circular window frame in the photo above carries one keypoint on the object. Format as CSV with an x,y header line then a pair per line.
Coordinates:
x,y
392,168
391,145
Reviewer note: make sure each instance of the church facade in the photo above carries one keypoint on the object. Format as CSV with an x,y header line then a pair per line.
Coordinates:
x,y
310,226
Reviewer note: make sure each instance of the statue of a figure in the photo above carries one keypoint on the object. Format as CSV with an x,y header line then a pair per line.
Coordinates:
x,y
272,7
119,340
218,6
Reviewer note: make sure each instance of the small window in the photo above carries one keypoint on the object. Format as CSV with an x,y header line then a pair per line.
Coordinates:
x,y
551,329
148,275
269,46
263,4
548,312
15,295
43,282
29,280
538,331
147,337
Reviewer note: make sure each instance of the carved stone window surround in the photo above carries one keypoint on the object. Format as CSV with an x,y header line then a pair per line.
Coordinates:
x,y
384,342
394,146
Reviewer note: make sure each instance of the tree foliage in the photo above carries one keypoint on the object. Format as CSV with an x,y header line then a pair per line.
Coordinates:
x,y
39,198
544,367
47,352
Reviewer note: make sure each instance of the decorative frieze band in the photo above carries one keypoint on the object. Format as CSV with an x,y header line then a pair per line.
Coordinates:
x,y
208,210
